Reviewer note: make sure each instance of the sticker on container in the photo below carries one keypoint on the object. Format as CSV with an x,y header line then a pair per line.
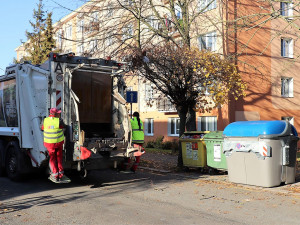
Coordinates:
x,y
264,149
217,153
195,155
189,152
194,145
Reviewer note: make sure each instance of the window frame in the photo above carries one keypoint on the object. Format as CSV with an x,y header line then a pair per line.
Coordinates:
x,y
149,92
127,32
207,123
290,92
146,127
80,49
286,9
203,5
69,32
178,11
287,48
110,11
207,36
176,129
59,38
80,26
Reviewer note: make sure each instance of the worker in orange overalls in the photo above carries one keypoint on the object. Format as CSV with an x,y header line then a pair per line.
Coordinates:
x,y
53,141
137,140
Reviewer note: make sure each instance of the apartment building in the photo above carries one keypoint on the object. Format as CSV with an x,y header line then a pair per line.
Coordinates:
x,y
264,48
267,50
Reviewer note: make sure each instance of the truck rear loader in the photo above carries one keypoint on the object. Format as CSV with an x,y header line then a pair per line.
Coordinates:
x,y
89,92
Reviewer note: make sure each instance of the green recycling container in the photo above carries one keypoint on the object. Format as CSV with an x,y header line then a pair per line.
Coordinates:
x,y
214,148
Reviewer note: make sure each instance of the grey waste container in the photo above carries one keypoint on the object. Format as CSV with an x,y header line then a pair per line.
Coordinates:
x,y
261,153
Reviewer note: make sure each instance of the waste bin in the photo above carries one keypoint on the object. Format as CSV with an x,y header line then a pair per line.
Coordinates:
x,y
193,149
261,153
214,148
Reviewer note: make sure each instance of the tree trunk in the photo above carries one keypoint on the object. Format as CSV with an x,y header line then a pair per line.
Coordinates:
x,y
191,120
182,111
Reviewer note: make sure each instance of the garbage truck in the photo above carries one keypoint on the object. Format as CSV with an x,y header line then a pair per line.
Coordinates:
x,y
88,91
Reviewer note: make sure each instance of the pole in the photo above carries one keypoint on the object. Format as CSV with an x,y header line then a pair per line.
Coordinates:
x,y
131,110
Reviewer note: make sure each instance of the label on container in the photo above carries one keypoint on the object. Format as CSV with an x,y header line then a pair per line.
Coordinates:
x,y
194,145
195,155
217,153
189,151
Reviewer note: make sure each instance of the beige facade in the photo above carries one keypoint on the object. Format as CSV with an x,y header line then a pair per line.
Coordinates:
x,y
88,31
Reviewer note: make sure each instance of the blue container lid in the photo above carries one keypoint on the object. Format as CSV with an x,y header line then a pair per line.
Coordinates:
x,y
256,128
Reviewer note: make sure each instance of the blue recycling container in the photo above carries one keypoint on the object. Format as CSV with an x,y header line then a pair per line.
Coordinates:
x,y
261,153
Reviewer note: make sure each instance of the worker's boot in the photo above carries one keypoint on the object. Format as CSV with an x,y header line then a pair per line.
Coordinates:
x,y
53,179
64,179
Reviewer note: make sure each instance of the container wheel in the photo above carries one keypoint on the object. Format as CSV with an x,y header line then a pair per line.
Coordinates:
x,y
186,169
211,171
12,164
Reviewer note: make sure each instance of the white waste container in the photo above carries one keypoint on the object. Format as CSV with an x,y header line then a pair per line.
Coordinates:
x,y
261,153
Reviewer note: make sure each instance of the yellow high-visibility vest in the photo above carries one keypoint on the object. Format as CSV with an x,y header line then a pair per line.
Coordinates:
x,y
52,132
137,134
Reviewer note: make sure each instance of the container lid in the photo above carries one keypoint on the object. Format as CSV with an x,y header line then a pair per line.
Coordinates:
x,y
257,128
214,135
194,134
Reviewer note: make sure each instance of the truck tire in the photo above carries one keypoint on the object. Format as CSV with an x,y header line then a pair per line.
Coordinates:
x,y
2,161
13,165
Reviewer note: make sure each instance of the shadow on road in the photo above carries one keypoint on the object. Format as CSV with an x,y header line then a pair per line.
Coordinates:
x,y
15,196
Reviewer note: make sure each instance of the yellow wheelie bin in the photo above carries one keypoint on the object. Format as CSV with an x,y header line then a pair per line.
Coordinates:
x,y
193,149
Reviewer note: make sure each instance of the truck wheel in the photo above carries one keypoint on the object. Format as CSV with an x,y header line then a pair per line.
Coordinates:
x,y
2,168
13,158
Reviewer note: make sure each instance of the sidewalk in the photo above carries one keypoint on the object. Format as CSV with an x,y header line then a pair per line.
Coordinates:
x,y
165,163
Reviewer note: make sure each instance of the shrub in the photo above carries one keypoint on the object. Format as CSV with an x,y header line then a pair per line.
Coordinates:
x,y
167,145
159,142
150,144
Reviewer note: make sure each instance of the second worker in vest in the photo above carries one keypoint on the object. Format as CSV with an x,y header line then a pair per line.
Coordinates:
x,y
53,141
137,140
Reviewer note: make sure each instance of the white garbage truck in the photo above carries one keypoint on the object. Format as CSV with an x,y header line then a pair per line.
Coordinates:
x,y
89,91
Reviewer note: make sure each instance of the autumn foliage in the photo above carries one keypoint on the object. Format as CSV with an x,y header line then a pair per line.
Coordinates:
x,y
190,77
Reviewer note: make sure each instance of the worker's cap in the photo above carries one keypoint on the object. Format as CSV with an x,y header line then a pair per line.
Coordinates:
x,y
54,110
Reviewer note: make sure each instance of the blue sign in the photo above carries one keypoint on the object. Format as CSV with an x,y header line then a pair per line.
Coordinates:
x,y
131,96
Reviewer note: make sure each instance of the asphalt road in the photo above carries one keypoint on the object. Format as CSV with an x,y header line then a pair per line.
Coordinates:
x,y
147,197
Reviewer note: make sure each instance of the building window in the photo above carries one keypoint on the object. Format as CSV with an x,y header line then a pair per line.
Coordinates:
x,y
286,9
80,26
127,2
110,10
148,126
289,119
206,5
287,47
208,41
69,32
93,45
109,41
127,32
287,87
165,105
178,11
207,123
59,38
148,92
153,22
95,17
173,126
80,49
